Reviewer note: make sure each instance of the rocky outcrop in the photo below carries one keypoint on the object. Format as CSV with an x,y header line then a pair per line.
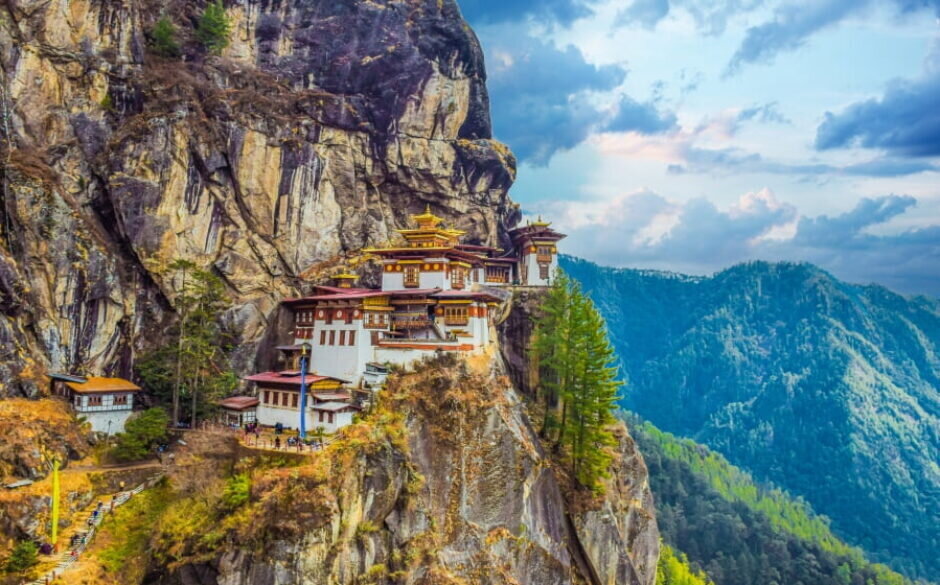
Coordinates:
x,y
446,483
315,133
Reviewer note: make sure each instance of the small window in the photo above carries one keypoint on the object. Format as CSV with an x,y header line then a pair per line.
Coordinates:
x,y
352,338
293,400
267,397
329,417
94,400
543,271
342,337
323,337
412,275
120,399
332,337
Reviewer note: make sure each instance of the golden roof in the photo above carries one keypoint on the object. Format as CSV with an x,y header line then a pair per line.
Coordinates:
x,y
427,219
346,276
96,384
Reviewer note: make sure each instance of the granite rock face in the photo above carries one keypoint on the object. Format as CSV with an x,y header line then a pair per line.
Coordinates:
x,y
318,131
465,495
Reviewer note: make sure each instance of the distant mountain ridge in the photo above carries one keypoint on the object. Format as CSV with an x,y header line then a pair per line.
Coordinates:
x,y
825,388
739,532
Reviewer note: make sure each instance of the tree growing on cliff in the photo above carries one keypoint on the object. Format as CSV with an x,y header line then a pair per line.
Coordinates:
x,y
214,28
163,38
578,380
197,364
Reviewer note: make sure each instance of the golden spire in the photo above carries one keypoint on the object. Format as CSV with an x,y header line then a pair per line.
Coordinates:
x,y
427,219
541,223
345,279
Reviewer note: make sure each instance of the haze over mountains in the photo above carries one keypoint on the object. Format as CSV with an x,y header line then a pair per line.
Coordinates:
x,y
825,388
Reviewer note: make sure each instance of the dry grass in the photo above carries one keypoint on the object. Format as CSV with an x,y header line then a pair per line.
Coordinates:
x,y
35,432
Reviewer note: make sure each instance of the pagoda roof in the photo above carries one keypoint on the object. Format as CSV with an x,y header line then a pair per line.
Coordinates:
x,y
535,231
97,384
364,294
478,248
443,251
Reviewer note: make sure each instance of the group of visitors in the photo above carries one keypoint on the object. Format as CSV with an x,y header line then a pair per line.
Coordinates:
x,y
253,438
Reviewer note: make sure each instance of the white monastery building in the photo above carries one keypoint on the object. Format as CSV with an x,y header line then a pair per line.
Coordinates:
x,y
435,296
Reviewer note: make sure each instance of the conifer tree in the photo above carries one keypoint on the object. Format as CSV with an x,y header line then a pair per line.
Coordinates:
x,y
214,27
578,381
163,38
197,363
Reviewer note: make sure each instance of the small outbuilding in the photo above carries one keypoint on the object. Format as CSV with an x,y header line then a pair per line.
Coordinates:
x,y
238,411
106,403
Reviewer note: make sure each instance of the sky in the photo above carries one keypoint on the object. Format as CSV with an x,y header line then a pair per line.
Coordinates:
x,y
690,135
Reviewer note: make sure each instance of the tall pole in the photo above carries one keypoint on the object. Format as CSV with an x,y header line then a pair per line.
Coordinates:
x,y
55,501
303,391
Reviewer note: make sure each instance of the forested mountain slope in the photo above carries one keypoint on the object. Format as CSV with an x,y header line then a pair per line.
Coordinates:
x,y
738,532
826,388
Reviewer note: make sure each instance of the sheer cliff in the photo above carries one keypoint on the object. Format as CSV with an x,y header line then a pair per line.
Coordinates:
x,y
443,482
316,132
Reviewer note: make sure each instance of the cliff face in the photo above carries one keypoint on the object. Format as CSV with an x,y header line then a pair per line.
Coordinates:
x,y
446,483
319,129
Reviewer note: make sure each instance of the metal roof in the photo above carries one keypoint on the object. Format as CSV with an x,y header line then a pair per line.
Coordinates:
x,y
68,378
96,384
239,402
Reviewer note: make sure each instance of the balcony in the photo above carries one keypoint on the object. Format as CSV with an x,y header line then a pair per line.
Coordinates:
x,y
454,321
410,323
546,258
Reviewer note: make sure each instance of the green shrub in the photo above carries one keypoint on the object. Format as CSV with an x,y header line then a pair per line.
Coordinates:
x,y
214,28
163,38
237,491
141,434
23,557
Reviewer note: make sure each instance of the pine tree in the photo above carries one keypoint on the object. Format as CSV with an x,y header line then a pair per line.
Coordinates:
x,y
578,385
214,28
197,365
163,38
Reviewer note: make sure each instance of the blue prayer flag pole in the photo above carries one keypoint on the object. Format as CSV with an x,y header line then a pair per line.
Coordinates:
x,y
304,348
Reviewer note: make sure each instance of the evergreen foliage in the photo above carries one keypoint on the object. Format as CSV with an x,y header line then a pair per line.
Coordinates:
x,y
214,28
23,557
142,433
826,389
578,387
741,533
163,38
196,367
237,491
673,569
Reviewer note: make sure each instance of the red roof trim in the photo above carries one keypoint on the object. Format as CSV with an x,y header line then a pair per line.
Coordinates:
x,y
289,378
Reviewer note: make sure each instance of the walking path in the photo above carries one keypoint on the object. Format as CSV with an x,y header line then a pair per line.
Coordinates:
x,y
83,534
80,539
